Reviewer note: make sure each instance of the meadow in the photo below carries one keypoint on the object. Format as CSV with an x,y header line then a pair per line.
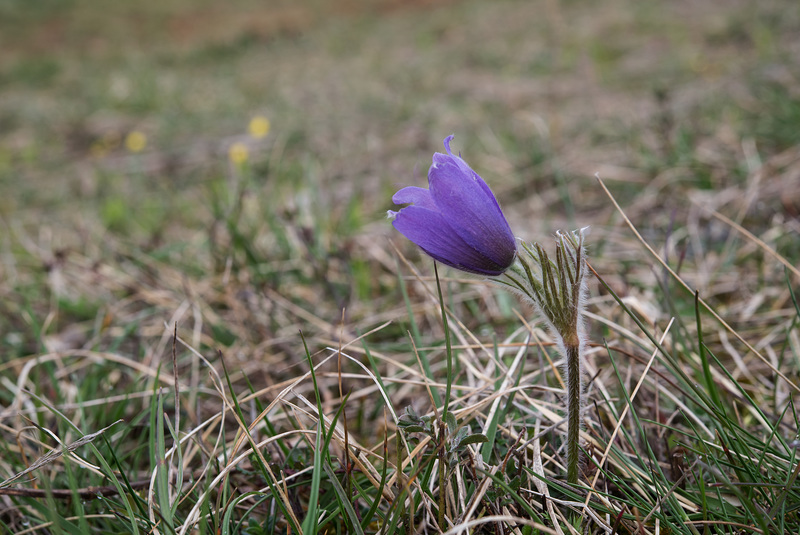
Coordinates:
x,y
209,326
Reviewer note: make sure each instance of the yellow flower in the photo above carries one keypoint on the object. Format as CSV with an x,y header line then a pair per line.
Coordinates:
x,y
238,153
135,141
259,127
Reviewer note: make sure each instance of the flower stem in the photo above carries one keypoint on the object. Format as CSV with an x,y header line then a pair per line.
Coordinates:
x,y
574,391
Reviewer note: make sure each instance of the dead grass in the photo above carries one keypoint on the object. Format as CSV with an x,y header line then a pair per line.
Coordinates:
x,y
662,102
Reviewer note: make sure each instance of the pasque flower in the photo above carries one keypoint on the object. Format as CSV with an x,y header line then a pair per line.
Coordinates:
x,y
458,220
459,223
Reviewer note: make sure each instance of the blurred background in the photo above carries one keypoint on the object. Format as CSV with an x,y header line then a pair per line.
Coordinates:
x,y
160,159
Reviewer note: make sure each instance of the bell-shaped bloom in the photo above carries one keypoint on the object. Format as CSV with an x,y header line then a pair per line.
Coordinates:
x,y
458,220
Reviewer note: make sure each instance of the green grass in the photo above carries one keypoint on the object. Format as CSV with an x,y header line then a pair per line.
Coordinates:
x,y
307,388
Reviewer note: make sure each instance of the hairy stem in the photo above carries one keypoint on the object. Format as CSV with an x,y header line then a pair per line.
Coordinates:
x,y
574,394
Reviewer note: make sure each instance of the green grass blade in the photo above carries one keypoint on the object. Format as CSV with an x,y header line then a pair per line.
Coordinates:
x,y
162,467
344,500
709,379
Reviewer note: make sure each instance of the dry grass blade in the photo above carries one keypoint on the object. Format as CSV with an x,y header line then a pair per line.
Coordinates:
x,y
625,413
755,239
499,520
541,486
689,288
45,525
56,454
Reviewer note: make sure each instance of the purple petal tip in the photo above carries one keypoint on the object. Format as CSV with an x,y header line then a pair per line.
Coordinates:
x,y
447,143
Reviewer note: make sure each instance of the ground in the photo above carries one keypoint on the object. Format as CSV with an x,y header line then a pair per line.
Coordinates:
x,y
144,192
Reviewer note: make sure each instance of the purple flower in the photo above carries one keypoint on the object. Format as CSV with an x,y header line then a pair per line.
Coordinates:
x,y
457,221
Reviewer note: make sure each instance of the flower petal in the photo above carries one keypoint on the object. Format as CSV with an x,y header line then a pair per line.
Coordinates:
x,y
416,196
469,206
439,158
433,234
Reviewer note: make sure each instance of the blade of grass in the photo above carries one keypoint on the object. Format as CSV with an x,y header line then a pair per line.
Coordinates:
x,y
709,379
417,335
344,501
688,288
384,471
103,463
77,502
162,467
266,471
496,415
227,518
309,525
